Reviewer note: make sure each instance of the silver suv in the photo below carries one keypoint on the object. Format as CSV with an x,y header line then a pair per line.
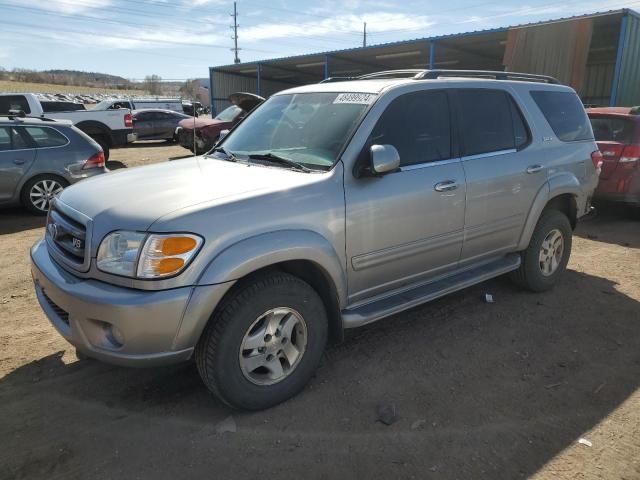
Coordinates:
x,y
329,207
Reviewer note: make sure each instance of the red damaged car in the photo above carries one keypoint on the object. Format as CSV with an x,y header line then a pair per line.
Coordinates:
x,y
207,130
617,131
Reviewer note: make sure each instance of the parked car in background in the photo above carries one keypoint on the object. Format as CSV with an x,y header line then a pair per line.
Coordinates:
x,y
157,124
174,104
207,130
39,158
193,109
617,131
109,129
329,207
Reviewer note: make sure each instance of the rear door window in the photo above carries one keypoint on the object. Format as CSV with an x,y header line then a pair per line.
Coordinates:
x,y
610,129
486,121
44,137
565,114
418,125
14,102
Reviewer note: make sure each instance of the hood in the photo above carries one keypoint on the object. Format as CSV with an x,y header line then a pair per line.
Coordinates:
x,y
246,101
135,198
201,122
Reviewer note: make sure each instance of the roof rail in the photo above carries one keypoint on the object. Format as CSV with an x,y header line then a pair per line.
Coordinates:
x,y
497,75
407,73
20,115
421,74
337,79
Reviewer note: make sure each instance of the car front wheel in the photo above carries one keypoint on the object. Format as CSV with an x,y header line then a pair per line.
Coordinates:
x,y
264,343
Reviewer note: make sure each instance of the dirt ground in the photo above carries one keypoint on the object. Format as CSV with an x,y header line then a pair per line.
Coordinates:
x,y
496,391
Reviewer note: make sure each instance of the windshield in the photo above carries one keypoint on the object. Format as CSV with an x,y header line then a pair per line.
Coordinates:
x,y
228,114
307,128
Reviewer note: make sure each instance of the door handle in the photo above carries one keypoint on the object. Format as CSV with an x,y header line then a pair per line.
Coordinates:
x,y
534,168
445,186
19,161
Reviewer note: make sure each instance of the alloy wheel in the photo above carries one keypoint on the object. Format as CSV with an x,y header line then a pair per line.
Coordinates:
x,y
273,346
43,192
551,251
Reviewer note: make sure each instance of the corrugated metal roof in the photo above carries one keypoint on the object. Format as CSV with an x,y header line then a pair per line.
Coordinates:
x,y
432,38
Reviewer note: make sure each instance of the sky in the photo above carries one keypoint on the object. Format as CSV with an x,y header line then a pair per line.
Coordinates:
x,y
180,39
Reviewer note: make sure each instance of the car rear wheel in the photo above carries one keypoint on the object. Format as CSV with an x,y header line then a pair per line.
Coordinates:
x,y
548,253
39,191
264,343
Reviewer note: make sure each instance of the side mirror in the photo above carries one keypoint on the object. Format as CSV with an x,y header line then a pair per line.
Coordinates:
x,y
223,133
384,158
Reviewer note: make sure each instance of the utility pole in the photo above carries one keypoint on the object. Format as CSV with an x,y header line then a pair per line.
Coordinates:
x,y
364,39
235,48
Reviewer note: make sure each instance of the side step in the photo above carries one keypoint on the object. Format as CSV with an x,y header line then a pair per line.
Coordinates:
x,y
379,309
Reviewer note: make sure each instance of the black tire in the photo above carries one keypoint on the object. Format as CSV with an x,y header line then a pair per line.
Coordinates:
x,y
529,275
104,143
26,193
217,353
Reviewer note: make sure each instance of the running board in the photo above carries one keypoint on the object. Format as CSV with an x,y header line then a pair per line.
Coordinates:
x,y
406,299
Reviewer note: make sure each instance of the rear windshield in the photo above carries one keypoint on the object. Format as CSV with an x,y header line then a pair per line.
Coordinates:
x,y
565,114
609,129
13,102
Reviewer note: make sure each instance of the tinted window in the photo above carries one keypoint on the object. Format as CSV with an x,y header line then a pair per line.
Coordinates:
x,y
520,129
46,137
14,102
5,139
144,117
565,114
19,139
486,121
418,125
607,129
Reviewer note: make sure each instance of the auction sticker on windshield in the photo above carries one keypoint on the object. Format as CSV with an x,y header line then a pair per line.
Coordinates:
x,y
357,98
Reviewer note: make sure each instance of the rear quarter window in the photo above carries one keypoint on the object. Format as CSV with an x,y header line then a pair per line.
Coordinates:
x,y
565,114
44,137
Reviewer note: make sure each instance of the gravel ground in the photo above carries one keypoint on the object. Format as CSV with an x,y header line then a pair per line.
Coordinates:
x,y
496,391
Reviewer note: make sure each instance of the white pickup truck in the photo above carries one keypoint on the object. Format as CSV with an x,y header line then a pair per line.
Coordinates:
x,y
109,128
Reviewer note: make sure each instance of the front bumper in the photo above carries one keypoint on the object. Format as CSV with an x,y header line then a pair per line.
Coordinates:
x,y
121,325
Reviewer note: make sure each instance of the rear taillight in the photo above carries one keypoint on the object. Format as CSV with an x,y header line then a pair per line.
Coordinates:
x,y
128,120
597,158
630,154
96,160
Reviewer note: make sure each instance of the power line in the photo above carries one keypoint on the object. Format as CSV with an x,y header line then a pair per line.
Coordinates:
x,y
143,40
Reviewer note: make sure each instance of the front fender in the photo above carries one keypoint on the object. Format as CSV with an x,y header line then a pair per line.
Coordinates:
x,y
559,184
254,253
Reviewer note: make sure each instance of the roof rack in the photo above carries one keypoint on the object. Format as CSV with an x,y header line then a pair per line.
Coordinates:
x,y
337,79
20,115
408,73
497,75
417,74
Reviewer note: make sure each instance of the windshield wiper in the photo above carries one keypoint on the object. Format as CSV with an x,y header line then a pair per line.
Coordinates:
x,y
271,157
230,156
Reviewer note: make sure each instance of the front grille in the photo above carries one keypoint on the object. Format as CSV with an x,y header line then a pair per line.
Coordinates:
x,y
68,236
64,315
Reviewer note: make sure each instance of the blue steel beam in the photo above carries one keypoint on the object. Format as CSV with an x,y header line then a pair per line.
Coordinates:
x,y
618,67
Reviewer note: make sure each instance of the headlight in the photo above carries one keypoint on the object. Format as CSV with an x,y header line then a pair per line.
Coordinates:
x,y
135,254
